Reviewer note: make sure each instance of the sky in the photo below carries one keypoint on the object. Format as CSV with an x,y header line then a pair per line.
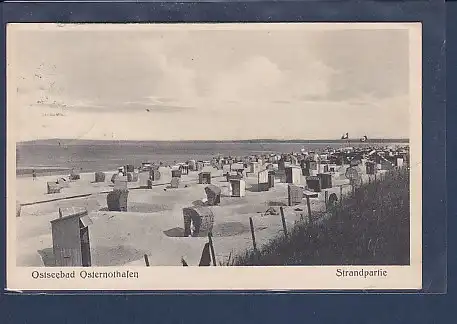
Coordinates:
x,y
158,82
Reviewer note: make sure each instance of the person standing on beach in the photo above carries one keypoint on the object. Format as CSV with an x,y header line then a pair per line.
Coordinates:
x,y
34,175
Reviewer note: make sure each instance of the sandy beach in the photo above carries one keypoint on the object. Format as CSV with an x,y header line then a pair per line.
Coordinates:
x,y
153,224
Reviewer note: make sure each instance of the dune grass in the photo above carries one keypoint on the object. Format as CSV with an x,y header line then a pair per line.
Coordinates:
x,y
370,227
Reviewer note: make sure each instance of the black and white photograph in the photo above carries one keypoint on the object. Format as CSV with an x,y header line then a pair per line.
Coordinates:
x,y
214,156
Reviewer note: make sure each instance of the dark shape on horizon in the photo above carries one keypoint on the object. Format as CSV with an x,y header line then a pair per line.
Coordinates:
x,y
364,138
147,109
345,136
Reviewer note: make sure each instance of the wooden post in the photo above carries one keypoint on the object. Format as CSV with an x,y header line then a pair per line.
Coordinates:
x,y
284,227
146,260
326,200
341,195
211,246
253,234
310,219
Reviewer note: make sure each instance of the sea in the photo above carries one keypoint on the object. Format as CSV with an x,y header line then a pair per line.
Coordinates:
x,y
52,157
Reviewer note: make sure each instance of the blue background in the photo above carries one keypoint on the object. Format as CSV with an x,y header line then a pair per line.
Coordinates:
x,y
232,308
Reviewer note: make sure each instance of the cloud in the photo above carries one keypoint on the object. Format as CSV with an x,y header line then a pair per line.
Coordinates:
x,y
130,108
260,79
166,84
253,79
85,66
373,62
126,109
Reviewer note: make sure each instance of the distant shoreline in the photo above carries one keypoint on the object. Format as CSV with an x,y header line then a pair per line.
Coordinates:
x,y
54,157
41,171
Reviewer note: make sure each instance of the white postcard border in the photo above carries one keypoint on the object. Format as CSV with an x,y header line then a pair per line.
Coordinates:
x,y
235,278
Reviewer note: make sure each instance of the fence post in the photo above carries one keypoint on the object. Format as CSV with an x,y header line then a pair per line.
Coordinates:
x,y
284,227
253,234
341,195
310,219
326,200
211,246
146,260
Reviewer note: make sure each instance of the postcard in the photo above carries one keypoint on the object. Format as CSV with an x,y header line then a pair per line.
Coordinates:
x,y
266,156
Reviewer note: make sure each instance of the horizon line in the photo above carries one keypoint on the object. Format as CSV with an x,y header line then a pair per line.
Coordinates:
x,y
222,140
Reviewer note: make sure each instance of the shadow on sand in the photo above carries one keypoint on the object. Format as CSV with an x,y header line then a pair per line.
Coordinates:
x,y
253,188
274,203
219,230
257,188
143,208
